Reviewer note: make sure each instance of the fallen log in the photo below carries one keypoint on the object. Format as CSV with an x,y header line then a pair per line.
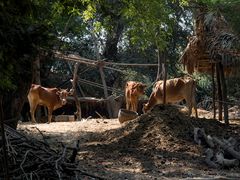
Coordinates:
x,y
226,162
200,135
227,148
209,157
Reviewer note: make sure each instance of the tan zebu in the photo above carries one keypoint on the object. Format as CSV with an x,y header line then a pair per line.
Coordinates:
x,y
177,89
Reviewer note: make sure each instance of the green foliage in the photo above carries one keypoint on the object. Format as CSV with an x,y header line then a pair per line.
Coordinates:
x,y
20,33
131,75
204,85
150,22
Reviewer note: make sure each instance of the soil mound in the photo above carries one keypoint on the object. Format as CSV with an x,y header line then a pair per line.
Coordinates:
x,y
160,139
167,124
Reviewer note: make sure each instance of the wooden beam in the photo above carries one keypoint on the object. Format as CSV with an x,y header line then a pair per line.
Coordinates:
x,y
91,62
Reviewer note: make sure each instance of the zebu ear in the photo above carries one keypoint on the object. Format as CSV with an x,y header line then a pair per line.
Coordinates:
x,y
58,92
70,92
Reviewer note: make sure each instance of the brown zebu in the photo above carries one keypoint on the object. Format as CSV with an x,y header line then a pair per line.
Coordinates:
x,y
133,90
52,98
177,89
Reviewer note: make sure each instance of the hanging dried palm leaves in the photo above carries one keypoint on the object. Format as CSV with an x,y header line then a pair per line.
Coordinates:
x,y
214,42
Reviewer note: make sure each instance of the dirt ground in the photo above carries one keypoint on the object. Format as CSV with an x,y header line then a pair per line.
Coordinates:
x,y
156,145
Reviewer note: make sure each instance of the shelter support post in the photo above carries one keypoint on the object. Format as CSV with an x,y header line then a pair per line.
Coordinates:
x,y
78,113
213,91
224,93
159,71
219,90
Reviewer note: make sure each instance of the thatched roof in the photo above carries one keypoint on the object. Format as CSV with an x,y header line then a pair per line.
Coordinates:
x,y
213,42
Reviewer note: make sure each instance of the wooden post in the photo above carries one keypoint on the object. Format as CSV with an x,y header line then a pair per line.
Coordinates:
x,y
213,91
219,93
224,93
159,71
165,78
101,65
78,113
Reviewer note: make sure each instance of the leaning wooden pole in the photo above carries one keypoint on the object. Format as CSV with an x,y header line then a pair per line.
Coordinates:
x,y
78,113
101,65
219,93
213,91
224,93
79,87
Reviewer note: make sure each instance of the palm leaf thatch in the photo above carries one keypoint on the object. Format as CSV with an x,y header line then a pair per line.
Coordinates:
x,y
213,42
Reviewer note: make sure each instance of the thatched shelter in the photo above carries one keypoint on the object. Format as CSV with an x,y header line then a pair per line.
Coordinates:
x,y
214,49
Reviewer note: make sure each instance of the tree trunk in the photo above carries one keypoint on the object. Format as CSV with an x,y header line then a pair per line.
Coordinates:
x,y
3,140
13,102
37,80
113,36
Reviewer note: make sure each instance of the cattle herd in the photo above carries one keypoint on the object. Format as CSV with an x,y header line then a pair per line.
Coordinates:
x,y
177,89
